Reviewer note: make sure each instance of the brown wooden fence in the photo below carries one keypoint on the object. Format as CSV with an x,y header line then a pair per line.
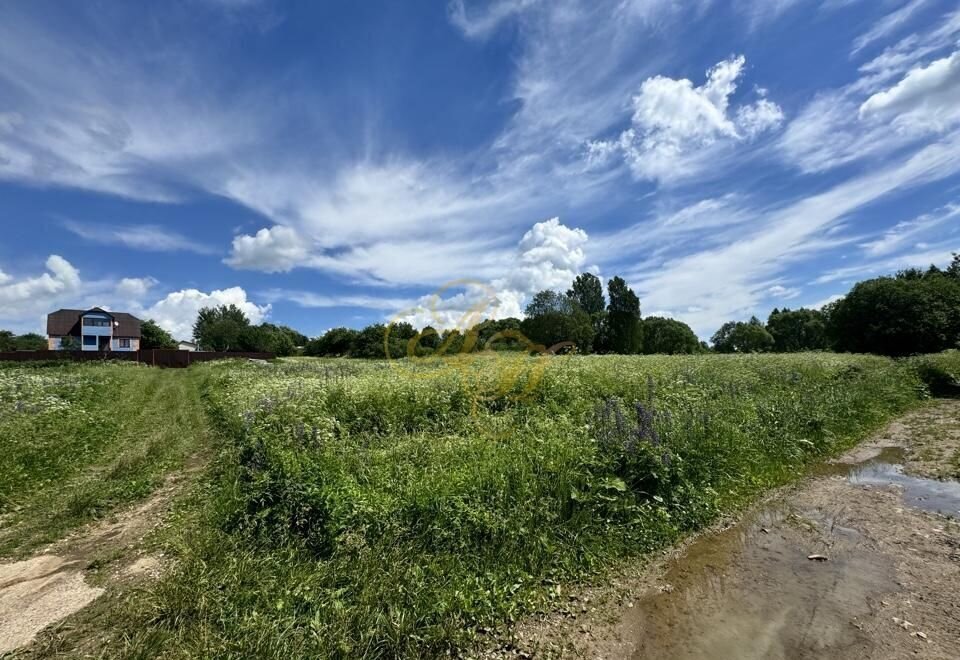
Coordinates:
x,y
153,357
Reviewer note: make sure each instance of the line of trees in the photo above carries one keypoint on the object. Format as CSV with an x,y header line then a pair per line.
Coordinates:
x,y
227,328
915,311
28,342
582,319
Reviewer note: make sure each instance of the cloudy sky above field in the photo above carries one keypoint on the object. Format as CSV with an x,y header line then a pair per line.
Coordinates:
x,y
327,164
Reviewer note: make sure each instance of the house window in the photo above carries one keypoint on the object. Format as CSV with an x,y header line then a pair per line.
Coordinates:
x,y
97,323
124,342
89,340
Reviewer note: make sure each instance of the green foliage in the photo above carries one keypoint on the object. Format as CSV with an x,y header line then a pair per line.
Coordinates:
x,y
587,292
393,509
220,328
153,336
30,342
70,343
335,342
226,328
553,319
668,337
940,371
623,332
912,313
740,337
7,341
798,330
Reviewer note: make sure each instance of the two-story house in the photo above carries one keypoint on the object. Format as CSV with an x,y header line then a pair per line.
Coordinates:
x,y
93,330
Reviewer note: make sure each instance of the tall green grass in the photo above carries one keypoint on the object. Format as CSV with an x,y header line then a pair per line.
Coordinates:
x,y
399,509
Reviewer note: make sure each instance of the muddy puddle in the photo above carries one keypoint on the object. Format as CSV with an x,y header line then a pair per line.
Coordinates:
x,y
753,591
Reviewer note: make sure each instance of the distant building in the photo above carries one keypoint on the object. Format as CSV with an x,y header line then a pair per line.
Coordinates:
x,y
93,330
187,346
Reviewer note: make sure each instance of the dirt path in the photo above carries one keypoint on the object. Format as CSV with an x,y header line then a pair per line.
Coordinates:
x,y
861,561
50,586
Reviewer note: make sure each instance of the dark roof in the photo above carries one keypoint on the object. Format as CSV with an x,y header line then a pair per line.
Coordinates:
x,y
67,322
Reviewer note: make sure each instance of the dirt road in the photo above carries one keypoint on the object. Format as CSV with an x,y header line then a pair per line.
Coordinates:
x,y
861,561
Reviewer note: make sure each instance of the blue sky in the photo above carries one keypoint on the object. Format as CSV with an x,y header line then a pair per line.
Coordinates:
x,y
324,164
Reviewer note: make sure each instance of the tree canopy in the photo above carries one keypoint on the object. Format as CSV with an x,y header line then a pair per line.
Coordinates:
x,y
668,336
153,336
742,337
623,332
798,330
912,312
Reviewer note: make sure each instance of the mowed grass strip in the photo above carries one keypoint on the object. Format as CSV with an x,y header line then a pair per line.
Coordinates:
x,y
83,440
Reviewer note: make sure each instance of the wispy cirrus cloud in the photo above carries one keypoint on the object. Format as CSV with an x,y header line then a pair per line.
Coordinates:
x,y
888,25
150,238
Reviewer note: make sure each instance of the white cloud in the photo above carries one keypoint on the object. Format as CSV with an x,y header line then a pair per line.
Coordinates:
x,y
272,250
674,124
312,300
928,98
888,25
26,301
61,278
730,280
826,301
888,265
760,117
759,12
907,232
479,23
785,293
134,288
177,311
549,256
150,238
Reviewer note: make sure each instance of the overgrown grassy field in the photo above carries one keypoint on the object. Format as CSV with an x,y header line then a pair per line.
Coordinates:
x,y
78,441
407,508
376,509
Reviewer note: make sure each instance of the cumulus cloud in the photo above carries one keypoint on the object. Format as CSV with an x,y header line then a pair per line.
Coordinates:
x,y
675,125
272,250
61,278
928,97
25,301
177,311
134,288
549,256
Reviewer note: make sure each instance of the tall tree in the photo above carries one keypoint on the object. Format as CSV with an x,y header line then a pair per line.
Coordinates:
x,y
587,291
220,328
7,342
623,318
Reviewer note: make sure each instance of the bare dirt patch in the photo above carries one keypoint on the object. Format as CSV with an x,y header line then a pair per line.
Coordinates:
x,y
49,587
862,561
